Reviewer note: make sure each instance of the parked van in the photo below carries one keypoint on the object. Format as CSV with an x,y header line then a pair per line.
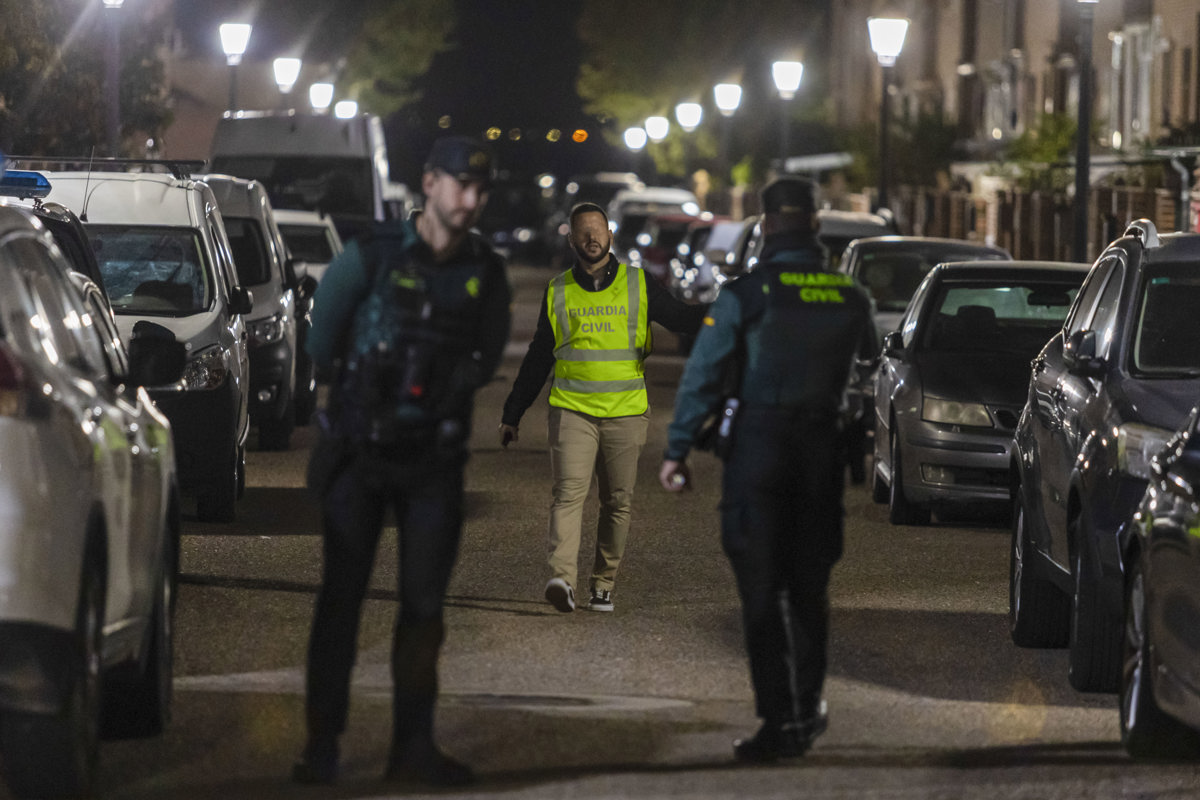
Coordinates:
x,y
164,256
264,267
316,162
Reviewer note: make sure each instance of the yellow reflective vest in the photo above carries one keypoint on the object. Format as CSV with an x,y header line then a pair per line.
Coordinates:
x,y
601,340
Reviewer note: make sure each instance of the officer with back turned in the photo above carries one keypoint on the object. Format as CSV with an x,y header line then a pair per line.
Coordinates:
x,y
789,331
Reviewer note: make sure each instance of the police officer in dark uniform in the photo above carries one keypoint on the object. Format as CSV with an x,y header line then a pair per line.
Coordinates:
x,y
789,330
411,319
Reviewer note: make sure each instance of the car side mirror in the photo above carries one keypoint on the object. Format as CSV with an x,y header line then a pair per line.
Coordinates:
x,y
242,300
893,343
307,287
1079,354
156,357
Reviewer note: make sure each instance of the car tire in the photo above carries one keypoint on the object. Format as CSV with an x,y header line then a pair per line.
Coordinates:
x,y
275,433
138,705
216,504
879,489
1094,662
900,510
1147,732
55,755
1039,613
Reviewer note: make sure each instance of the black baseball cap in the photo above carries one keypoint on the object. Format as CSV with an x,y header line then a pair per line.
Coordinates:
x,y
463,157
789,195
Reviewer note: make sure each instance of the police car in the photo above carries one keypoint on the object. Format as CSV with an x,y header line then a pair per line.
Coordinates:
x,y
89,513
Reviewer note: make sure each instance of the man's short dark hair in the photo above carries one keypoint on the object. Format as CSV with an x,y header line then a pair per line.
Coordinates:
x,y
586,208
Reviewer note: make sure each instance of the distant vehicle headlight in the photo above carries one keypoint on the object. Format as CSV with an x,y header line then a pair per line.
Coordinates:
x,y
208,369
266,331
953,412
1136,445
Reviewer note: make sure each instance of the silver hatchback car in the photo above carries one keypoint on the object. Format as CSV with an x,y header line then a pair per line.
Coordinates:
x,y
89,520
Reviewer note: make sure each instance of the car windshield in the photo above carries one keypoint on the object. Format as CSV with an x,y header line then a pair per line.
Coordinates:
x,y
892,275
330,185
307,243
1013,317
1167,337
249,251
152,270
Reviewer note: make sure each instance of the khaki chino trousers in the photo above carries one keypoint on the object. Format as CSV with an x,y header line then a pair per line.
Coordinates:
x,y
583,447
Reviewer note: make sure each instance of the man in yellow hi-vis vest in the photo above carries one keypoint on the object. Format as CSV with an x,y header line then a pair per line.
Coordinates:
x,y
594,332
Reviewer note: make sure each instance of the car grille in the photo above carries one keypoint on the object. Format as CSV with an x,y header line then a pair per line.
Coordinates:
x,y
1006,418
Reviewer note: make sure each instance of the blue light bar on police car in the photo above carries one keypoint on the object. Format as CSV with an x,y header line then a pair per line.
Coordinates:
x,y
24,184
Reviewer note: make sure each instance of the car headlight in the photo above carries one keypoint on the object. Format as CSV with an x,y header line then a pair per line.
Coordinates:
x,y
952,412
266,331
207,369
1136,445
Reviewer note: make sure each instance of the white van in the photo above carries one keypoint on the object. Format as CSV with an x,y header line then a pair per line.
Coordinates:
x,y
164,256
315,162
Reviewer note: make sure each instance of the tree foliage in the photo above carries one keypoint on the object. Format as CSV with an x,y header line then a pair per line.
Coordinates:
x,y
397,45
52,96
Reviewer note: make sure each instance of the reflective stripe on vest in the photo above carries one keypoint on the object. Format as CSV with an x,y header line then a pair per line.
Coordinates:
x,y
600,344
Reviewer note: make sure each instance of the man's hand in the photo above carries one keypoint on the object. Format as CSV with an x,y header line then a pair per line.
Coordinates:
x,y
675,475
508,433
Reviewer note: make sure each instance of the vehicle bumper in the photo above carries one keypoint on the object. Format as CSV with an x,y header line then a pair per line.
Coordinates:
x,y
271,368
35,667
204,424
946,466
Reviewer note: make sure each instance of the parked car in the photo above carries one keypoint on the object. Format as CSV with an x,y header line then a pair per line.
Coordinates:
x,y
657,243
311,238
952,379
89,539
1160,679
631,209
892,267
165,258
279,392
1105,394
839,228
698,258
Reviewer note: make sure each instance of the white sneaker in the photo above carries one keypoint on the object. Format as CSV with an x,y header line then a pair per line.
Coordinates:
x,y
560,594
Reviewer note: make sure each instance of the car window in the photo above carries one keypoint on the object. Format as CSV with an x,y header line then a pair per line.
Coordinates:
x,y
152,270
1104,315
225,267
106,330
1009,317
1080,314
249,251
65,332
1167,336
308,243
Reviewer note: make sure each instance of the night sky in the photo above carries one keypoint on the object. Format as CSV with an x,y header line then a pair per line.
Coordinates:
x,y
514,67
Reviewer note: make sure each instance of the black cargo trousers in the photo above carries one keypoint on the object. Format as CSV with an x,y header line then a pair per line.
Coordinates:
x,y
425,492
781,527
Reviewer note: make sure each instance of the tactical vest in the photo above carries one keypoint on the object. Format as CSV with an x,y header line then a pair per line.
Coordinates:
x,y
601,340
413,329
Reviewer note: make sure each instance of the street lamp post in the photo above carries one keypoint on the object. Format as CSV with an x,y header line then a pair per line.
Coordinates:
x,y
786,75
235,36
287,72
887,40
688,115
1083,164
728,96
113,76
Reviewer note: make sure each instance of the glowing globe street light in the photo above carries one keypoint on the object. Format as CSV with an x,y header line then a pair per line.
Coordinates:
x,y
786,75
345,109
657,128
287,72
688,115
887,40
235,36
635,138
320,95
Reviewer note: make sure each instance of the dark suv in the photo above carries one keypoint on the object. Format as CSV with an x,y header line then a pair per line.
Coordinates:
x,y
1105,395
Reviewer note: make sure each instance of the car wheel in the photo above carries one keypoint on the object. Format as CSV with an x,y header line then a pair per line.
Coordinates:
x,y
216,504
1146,730
1039,613
276,433
900,510
1094,664
140,705
54,755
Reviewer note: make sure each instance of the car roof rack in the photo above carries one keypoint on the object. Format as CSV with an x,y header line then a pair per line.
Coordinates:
x,y
1145,230
179,168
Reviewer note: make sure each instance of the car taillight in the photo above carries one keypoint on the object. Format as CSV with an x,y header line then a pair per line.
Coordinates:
x,y
12,383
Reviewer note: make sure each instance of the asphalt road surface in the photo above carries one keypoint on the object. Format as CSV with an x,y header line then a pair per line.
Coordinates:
x,y
928,698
